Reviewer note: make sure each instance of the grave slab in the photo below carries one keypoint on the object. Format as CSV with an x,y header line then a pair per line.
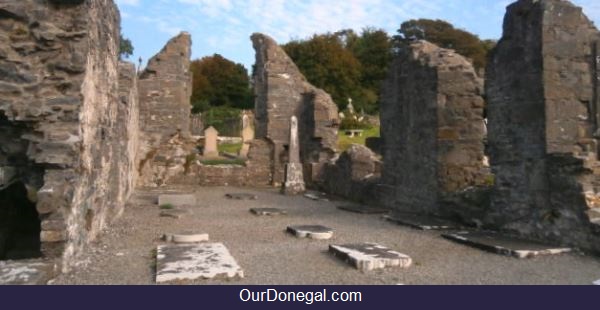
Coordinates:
x,y
177,200
175,213
364,209
316,232
186,238
422,222
505,245
27,272
241,196
370,256
597,282
267,211
184,263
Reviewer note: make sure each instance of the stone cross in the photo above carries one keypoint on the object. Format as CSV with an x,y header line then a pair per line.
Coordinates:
x,y
210,142
294,177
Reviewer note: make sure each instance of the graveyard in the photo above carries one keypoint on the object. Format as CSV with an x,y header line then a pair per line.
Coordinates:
x,y
467,176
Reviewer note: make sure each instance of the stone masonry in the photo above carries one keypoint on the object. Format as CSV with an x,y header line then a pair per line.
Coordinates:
x,y
59,77
282,92
432,125
544,103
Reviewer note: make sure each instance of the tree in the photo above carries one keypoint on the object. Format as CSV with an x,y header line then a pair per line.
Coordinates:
x,y
220,82
444,34
125,47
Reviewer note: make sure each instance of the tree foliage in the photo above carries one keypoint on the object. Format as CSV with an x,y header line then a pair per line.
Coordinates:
x,y
219,82
345,64
125,47
445,35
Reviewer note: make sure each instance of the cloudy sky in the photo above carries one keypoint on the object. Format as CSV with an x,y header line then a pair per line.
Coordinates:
x,y
224,26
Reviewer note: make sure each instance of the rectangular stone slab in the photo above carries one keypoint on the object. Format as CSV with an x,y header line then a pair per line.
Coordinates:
x,y
505,245
422,222
177,200
27,272
184,263
597,282
316,232
370,256
364,209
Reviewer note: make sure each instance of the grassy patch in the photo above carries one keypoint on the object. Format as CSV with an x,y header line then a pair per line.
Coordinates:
x,y
218,162
167,206
344,142
232,148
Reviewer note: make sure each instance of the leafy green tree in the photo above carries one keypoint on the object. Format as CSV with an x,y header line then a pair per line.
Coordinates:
x,y
125,47
443,34
220,82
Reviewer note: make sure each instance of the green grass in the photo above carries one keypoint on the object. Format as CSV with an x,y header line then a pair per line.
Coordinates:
x,y
167,207
218,162
232,148
344,142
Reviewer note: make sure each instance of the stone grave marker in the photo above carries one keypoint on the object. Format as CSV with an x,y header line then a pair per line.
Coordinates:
x,y
505,245
294,177
247,137
211,149
27,272
370,256
186,238
184,263
316,232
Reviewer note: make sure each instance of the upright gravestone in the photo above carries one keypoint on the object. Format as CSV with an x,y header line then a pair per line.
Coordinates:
x,y
247,137
294,178
210,142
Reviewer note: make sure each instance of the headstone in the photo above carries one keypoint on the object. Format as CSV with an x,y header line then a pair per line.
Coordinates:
x,y
267,211
364,209
241,196
247,137
211,136
294,177
504,245
186,238
370,256
181,263
422,222
316,232
177,200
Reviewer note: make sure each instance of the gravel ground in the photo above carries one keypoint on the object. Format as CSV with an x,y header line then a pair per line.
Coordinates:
x,y
124,254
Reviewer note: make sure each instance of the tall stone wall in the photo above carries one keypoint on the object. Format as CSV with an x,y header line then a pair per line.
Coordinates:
x,y
282,92
542,89
58,99
432,125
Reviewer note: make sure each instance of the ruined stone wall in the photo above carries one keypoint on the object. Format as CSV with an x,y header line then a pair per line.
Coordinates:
x,y
432,125
282,92
543,105
58,94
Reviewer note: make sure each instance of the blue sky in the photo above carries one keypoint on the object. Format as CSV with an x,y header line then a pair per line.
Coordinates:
x,y
224,26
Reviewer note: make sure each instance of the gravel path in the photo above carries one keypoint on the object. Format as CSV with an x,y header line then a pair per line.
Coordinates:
x,y
124,254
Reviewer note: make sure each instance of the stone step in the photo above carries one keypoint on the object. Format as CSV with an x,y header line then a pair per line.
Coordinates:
x,y
505,245
370,256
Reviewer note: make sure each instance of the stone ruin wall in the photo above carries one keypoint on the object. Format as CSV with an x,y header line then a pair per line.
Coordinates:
x,y
282,92
543,113
432,125
59,104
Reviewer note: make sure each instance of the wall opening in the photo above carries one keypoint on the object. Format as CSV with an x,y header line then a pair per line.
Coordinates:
x,y
20,225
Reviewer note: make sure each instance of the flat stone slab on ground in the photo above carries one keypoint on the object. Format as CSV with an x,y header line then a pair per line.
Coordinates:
x,y
177,200
364,209
370,256
241,196
27,272
182,263
505,245
267,211
186,238
175,213
597,282
422,222
316,196
316,232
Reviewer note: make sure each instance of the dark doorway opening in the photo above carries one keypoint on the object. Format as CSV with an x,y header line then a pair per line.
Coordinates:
x,y
20,224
